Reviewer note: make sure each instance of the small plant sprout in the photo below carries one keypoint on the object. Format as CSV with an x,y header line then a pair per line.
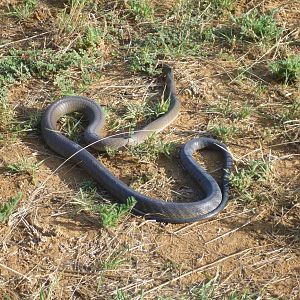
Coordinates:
x,y
25,166
23,11
151,149
259,27
162,107
109,214
287,69
224,132
253,171
141,9
7,208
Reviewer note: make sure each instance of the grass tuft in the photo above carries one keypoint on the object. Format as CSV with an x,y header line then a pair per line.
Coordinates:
x,y
141,9
244,178
24,166
258,27
287,69
151,149
223,131
6,209
109,214
23,11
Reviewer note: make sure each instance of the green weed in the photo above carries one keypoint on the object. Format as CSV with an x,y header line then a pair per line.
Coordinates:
x,y
47,290
206,290
286,115
6,112
291,113
133,114
114,261
6,209
85,199
141,9
109,214
19,65
65,84
161,107
287,69
75,26
260,90
223,132
30,125
61,68
253,171
223,4
182,37
242,296
227,110
23,11
136,113
151,149
258,27
24,166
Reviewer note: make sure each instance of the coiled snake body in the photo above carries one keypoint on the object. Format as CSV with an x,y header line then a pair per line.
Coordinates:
x,y
171,212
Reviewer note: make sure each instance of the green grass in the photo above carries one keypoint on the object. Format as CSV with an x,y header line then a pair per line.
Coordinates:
x,y
243,179
290,113
223,4
207,291
141,9
23,11
6,112
72,125
151,149
183,37
257,26
228,110
135,113
115,260
109,214
224,132
70,72
24,166
242,296
19,65
287,70
7,208
75,27
161,107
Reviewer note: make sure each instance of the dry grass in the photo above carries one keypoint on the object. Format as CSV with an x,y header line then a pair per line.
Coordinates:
x,y
50,249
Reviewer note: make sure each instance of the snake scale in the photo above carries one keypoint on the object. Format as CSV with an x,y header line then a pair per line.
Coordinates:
x,y
216,196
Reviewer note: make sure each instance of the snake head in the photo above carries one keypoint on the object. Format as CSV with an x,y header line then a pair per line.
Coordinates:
x,y
166,69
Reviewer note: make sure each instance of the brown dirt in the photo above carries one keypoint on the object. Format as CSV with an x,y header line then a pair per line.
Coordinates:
x,y
249,246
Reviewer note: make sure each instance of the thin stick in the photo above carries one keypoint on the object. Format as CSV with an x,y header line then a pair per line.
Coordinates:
x,y
227,233
205,267
25,39
14,271
210,221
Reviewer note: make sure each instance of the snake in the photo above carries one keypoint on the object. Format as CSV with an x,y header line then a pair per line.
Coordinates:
x,y
215,195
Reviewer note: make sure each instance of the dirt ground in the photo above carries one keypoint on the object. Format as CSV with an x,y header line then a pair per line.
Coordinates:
x,y
249,251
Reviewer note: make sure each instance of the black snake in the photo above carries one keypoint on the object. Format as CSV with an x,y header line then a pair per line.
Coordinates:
x,y
172,212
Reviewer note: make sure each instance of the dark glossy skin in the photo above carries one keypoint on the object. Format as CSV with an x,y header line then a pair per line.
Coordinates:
x,y
171,212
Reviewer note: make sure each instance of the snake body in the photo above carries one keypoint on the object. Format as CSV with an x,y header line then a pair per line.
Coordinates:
x,y
171,212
